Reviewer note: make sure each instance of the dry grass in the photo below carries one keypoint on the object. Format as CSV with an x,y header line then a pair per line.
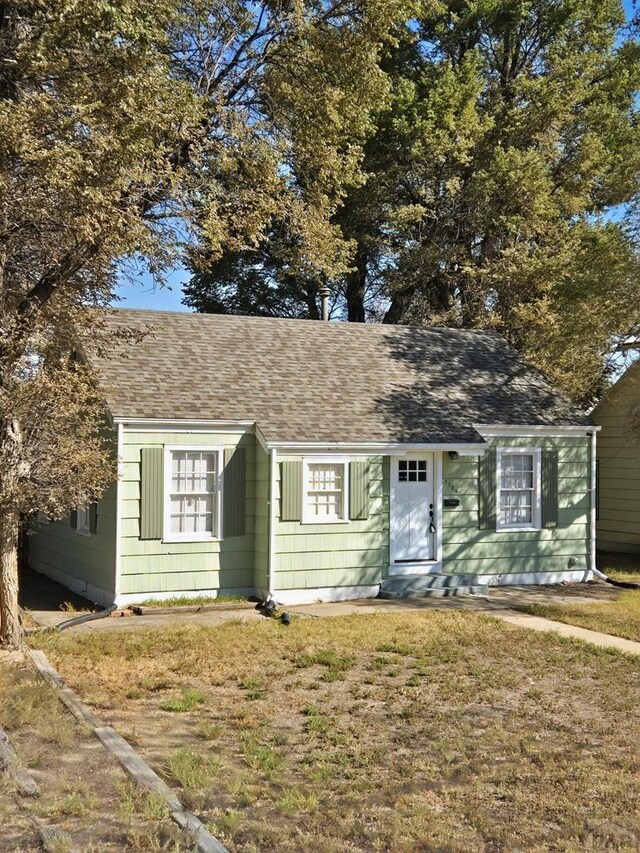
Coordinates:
x,y
620,617
436,731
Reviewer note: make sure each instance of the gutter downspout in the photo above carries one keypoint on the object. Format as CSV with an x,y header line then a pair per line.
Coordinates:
x,y
592,525
118,549
271,558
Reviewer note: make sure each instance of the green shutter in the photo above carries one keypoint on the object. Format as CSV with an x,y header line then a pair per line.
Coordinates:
x,y
151,492
93,517
359,489
73,519
291,491
549,488
487,490
234,491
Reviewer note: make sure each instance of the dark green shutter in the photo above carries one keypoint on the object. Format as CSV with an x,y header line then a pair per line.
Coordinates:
x,y
359,489
487,485
73,519
234,491
291,491
549,488
151,492
93,518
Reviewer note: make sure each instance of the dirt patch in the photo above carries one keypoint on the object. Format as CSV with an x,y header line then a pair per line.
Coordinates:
x,y
403,732
83,792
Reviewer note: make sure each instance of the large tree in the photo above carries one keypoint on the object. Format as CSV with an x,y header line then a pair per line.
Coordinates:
x,y
130,131
496,181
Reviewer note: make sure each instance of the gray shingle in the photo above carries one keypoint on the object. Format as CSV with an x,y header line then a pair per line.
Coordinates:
x,y
304,380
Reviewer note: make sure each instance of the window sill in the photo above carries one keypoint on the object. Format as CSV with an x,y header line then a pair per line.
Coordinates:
x,y
527,529
83,532
185,540
325,521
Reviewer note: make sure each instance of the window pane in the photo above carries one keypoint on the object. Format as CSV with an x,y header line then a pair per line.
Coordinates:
x,y
325,490
193,492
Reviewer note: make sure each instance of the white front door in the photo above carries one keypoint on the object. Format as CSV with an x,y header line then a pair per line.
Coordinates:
x,y
413,537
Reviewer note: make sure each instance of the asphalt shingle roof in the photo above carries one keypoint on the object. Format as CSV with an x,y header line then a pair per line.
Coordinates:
x,y
303,380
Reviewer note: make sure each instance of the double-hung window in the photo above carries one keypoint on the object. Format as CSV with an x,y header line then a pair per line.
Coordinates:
x,y
83,520
518,483
192,494
325,493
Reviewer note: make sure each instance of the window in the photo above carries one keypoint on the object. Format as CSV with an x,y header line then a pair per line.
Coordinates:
x,y
518,488
83,520
325,491
192,494
412,470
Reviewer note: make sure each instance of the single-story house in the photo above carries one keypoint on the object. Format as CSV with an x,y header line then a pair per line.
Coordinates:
x,y
307,460
618,461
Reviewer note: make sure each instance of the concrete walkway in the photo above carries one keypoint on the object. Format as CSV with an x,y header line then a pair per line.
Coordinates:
x,y
44,597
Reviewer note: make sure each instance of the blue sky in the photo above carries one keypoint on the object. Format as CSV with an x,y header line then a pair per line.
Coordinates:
x,y
142,293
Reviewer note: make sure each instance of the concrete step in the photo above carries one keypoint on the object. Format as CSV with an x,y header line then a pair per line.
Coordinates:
x,y
436,585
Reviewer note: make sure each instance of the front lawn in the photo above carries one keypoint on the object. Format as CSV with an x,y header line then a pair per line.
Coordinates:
x,y
620,616
419,731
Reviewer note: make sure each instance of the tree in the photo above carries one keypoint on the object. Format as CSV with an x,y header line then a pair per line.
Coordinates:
x,y
510,140
127,130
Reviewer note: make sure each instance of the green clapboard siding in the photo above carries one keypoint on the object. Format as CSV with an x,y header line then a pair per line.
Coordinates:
x,y
471,543
350,553
150,565
618,454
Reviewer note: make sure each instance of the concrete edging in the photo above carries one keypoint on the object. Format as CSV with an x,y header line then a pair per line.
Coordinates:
x,y
133,765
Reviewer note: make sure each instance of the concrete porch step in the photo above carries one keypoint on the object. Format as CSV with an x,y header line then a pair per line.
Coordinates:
x,y
425,586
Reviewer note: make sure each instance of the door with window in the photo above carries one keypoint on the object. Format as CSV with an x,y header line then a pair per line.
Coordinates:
x,y
412,510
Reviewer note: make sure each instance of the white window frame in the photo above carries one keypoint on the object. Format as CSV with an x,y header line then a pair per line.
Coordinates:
x,y
536,499
307,518
216,533
83,520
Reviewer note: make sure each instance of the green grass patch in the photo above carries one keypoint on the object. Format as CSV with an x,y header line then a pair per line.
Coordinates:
x,y
186,701
186,600
190,769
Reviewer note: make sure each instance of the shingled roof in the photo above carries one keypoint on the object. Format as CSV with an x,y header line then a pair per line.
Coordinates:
x,y
305,381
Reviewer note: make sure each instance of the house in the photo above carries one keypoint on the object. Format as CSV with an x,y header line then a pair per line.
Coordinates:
x,y
618,460
310,460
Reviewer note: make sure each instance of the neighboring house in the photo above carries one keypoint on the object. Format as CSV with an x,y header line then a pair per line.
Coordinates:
x,y
618,413
310,460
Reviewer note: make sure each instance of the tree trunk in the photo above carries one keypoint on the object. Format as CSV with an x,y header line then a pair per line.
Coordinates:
x,y
355,289
10,627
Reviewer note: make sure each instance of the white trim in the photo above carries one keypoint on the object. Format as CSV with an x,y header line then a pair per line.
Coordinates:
x,y
593,507
167,535
181,425
536,510
271,527
119,491
138,597
424,567
78,585
438,506
325,593
533,431
372,448
306,517
535,578
262,441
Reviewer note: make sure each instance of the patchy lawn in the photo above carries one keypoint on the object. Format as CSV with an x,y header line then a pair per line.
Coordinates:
x,y
622,567
83,792
620,617
436,731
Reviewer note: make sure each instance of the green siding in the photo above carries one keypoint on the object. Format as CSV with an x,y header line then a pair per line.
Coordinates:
x,y
149,566
261,512
352,553
58,551
618,454
467,549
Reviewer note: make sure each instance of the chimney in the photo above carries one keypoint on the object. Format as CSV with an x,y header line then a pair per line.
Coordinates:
x,y
324,292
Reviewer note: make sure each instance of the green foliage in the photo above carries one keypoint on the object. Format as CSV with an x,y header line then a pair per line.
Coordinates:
x,y
509,139
186,701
